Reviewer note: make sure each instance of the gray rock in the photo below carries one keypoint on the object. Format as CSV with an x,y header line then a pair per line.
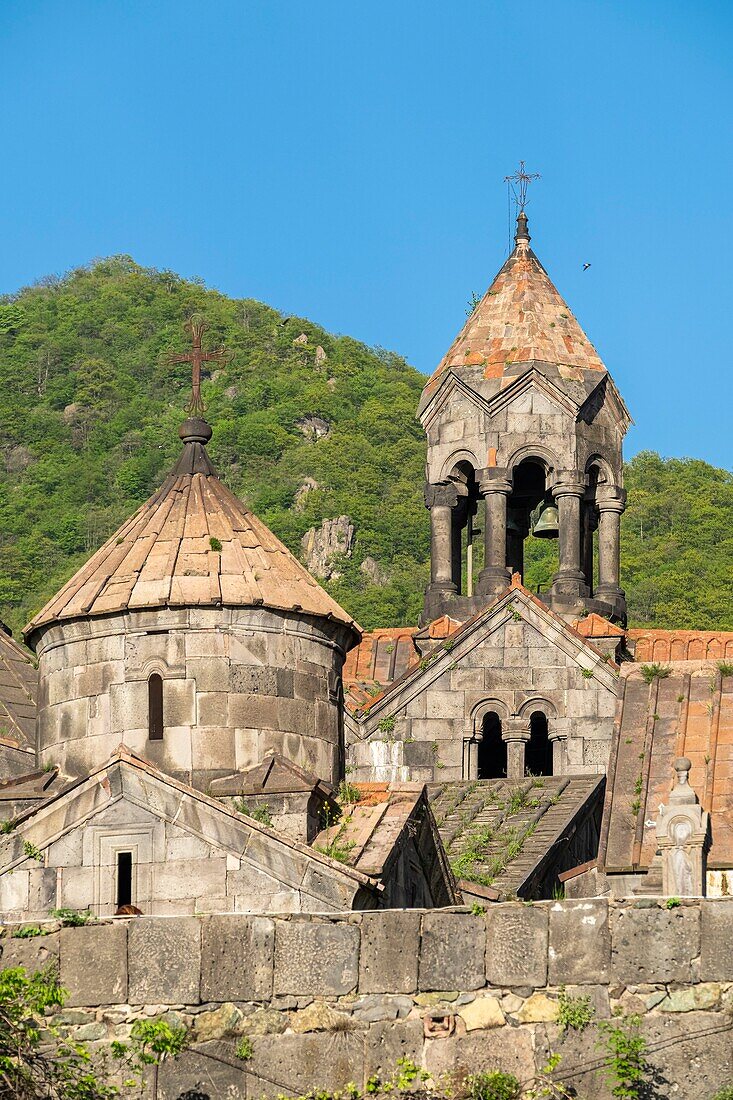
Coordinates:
x,y
94,964
164,960
716,937
452,951
390,948
516,946
237,955
316,958
580,942
655,945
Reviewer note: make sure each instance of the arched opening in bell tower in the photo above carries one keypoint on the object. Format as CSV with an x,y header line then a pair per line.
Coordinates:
x,y
466,544
532,525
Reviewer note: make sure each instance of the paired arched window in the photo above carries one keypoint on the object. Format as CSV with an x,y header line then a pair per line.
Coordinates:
x,y
538,751
492,749
155,708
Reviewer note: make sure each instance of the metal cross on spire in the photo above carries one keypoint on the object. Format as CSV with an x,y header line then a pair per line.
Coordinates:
x,y
197,326
519,183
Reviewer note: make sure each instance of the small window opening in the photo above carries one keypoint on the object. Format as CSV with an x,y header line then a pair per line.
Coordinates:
x,y
155,708
492,749
124,879
538,754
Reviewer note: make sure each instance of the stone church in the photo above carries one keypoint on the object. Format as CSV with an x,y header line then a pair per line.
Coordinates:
x,y
197,726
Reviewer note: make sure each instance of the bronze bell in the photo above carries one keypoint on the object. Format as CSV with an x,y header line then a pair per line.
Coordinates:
x,y
512,526
545,520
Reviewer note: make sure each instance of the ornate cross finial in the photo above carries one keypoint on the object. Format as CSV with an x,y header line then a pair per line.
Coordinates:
x,y
197,326
519,183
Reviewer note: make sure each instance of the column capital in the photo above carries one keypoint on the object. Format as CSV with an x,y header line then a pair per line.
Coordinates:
x,y
569,483
494,479
440,493
557,728
515,729
611,498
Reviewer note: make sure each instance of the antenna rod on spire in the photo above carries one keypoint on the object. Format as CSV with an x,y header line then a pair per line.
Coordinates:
x,y
519,183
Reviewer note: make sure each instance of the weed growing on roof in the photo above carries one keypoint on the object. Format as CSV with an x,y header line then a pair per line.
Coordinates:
x,y
259,813
8,826
29,932
32,852
587,673
215,545
574,1013
627,1068
386,725
725,668
348,793
478,910
653,672
673,903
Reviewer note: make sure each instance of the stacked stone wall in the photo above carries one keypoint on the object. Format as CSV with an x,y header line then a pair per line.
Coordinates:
x,y
237,682
331,1000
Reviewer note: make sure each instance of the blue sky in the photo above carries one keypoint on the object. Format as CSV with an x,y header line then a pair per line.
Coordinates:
x,y
344,162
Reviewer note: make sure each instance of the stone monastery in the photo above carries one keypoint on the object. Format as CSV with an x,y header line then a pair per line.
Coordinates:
x,y
196,726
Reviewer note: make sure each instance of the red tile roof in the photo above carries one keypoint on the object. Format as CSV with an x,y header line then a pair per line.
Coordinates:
x,y
682,645
521,318
686,713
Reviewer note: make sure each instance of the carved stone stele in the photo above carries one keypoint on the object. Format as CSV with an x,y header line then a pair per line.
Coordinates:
x,y
682,833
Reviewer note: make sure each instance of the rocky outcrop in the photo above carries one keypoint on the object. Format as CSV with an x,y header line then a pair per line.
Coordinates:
x,y
313,427
374,571
322,546
307,485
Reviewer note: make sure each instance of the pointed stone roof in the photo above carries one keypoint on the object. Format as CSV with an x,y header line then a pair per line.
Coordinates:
x,y
193,543
521,318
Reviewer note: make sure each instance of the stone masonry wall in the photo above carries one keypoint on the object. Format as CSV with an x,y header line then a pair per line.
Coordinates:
x,y
329,1000
236,683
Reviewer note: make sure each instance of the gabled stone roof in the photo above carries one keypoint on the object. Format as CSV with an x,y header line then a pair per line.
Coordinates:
x,y
687,712
18,694
191,544
132,778
366,694
521,318
502,836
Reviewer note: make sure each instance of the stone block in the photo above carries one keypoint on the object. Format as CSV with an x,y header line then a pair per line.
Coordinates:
x,y
94,964
481,1014
237,958
329,890
189,878
516,945
503,1048
443,704
179,703
34,954
452,951
655,945
164,960
295,1064
390,948
387,1042
213,708
316,958
253,680
716,937
580,943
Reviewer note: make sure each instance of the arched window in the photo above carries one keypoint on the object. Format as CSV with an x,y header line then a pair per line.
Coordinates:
x,y
538,753
155,708
492,749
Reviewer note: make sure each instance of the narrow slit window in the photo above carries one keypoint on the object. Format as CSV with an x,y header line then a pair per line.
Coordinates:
x,y
124,879
155,708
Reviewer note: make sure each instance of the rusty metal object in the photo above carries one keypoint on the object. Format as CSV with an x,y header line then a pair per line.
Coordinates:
x,y
197,326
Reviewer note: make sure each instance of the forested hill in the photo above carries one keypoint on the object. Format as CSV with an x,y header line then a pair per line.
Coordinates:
x,y
307,426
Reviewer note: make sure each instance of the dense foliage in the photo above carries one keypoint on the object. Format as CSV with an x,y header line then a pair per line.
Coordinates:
x,y
90,408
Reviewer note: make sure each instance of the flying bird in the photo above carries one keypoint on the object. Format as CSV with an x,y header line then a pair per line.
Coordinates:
x,y
585,267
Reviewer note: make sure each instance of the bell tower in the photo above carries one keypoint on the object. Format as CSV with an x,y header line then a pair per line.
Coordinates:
x,y
525,429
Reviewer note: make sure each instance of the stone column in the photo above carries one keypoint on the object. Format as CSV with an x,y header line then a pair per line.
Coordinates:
x,y
441,499
515,731
569,580
494,487
557,731
611,504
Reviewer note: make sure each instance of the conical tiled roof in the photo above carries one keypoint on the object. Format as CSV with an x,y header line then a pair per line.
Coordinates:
x,y
191,544
521,318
